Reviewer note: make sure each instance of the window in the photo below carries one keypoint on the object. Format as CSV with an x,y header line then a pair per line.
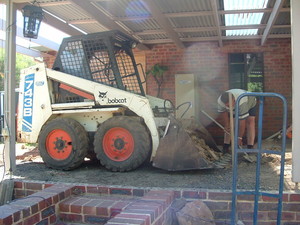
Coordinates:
x,y
246,71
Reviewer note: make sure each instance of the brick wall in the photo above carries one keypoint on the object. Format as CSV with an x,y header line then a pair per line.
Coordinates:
x,y
209,63
49,60
218,201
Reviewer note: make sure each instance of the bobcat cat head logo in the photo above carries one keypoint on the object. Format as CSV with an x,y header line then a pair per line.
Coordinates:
x,y
102,94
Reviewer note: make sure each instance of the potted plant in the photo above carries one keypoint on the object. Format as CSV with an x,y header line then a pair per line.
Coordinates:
x,y
157,71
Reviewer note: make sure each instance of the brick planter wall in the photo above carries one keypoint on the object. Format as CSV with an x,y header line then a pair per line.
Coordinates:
x,y
45,209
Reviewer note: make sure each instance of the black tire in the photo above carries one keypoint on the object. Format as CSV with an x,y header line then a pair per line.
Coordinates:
x,y
63,144
122,143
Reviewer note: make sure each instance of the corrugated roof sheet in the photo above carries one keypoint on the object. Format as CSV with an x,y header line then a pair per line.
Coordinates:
x,y
125,8
175,6
193,21
68,12
190,20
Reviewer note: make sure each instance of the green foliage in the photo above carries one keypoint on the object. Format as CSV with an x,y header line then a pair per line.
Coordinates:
x,y
22,62
255,87
157,71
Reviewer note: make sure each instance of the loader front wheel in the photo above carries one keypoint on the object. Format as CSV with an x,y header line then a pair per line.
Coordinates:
x,y
122,143
63,144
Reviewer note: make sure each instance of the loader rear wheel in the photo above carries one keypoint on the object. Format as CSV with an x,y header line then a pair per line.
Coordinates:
x,y
122,143
63,144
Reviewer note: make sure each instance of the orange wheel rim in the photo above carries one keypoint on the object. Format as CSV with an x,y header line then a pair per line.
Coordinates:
x,y
59,144
118,144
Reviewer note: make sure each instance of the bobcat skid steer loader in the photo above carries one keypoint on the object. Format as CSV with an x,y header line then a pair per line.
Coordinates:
x,y
92,102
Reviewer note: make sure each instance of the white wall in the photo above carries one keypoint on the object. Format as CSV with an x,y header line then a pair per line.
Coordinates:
x,y
295,22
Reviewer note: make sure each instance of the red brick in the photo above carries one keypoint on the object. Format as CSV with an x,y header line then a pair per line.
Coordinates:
x,y
120,191
48,185
145,218
127,221
48,212
90,207
52,219
103,209
245,198
138,192
156,208
19,193
6,220
177,194
77,206
149,213
26,212
17,216
65,205
92,219
118,206
292,207
294,197
164,200
92,189
71,217
289,216
103,190
34,186
18,184
223,215
32,220
219,196
55,199
194,194
270,199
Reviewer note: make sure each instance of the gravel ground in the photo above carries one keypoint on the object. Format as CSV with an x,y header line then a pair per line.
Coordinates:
x,y
31,167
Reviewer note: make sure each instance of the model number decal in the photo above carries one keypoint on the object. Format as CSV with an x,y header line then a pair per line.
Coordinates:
x,y
28,103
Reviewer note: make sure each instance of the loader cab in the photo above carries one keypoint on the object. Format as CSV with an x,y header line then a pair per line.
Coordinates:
x,y
105,57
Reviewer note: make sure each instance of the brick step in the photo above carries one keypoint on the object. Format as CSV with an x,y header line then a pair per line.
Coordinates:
x,y
70,223
94,209
115,209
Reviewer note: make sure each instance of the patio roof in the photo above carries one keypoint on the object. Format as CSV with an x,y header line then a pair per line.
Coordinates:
x,y
171,21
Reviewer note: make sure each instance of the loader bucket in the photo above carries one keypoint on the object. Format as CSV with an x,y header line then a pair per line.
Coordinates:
x,y
201,131
177,152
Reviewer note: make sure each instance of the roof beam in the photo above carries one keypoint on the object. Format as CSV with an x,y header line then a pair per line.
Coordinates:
x,y
83,21
163,22
217,21
242,11
203,29
215,38
46,4
277,6
102,18
26,51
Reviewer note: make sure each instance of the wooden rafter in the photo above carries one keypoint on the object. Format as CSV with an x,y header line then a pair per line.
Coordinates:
x,y
217,21
102,18
276,9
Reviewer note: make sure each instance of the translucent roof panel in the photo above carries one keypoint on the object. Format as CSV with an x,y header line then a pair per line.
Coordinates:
x,y
243,18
